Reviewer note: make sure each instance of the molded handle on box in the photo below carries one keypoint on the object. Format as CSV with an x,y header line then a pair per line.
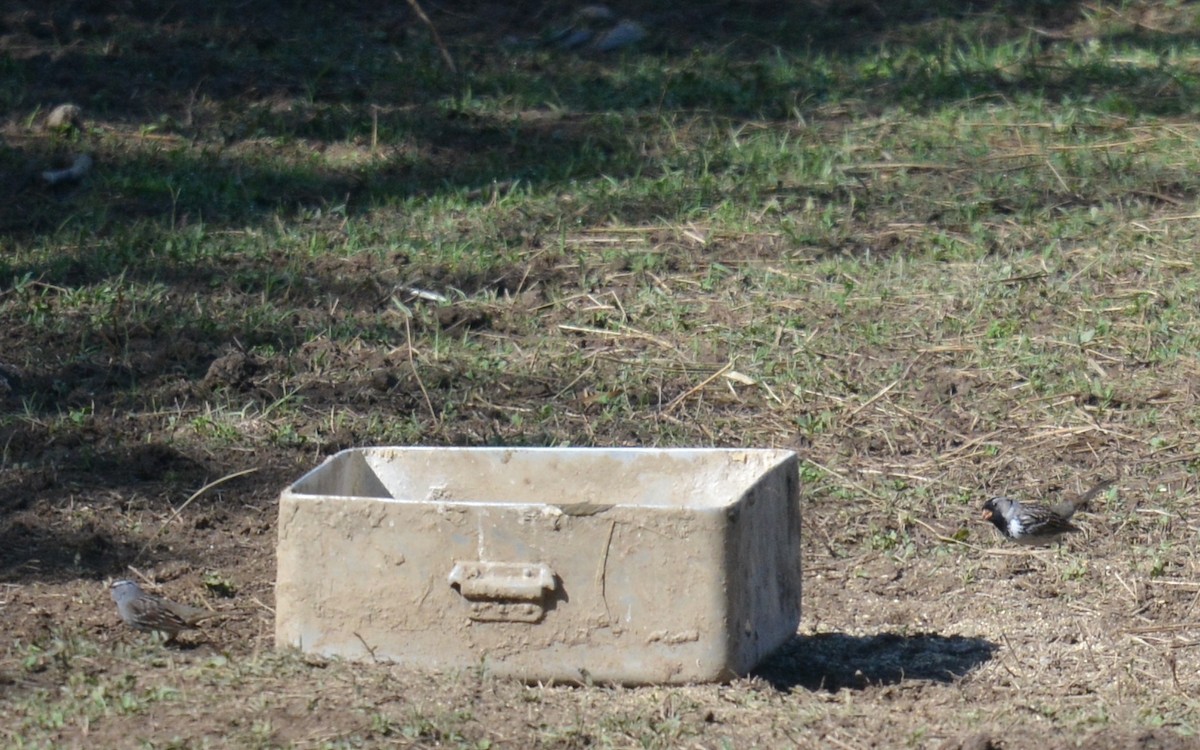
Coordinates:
x,y
503,591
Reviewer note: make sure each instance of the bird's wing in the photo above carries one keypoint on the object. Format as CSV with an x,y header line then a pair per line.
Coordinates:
x,y
1051,522
190,615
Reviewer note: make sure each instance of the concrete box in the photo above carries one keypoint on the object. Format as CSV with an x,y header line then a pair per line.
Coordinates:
x,y
621,565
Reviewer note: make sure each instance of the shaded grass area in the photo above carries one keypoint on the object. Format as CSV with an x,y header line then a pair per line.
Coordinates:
x,y
942,250
241,116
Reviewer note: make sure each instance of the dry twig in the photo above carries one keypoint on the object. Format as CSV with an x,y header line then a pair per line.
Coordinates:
x,y
437,39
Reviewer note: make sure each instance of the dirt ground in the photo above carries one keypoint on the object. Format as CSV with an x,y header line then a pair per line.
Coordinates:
x,y
975,646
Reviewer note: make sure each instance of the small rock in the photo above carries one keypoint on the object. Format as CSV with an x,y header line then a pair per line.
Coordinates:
x,y
980,741
595,14
573,38
233,369
316,661
64,117
623,34
383,380
589,24
80,167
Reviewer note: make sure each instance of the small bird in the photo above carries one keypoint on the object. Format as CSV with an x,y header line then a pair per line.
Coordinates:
x,y
150,613
1035,524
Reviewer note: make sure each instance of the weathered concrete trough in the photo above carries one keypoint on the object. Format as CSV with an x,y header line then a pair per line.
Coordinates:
x,y
547,564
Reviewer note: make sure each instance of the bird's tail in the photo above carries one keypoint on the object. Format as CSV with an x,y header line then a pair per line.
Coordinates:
x,y
1083,500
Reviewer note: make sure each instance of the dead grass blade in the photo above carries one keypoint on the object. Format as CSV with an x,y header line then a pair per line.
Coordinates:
x,y
437,38
209,486
696,388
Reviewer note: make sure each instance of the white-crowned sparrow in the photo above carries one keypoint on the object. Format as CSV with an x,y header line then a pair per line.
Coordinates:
x,y
1035,523
150,613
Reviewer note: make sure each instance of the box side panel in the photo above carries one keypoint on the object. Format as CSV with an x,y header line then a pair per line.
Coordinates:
x,y
354,576
642,601
638,596
763,559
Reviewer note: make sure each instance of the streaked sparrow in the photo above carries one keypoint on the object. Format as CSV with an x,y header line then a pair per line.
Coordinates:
x,y
1036,524
149,613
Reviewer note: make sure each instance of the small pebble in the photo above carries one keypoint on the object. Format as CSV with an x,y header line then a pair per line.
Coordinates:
x,y
64,117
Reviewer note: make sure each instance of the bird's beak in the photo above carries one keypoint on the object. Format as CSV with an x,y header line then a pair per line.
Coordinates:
x,y
987,515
